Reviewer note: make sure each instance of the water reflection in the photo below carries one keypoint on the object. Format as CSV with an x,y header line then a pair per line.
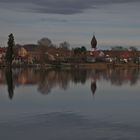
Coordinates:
x,y
9,80
121,76
93,87
47,79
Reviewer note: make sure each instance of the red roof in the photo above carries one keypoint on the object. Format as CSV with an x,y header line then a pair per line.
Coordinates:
x,y
125,54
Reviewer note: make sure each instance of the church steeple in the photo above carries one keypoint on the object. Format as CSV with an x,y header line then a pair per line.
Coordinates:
x,y
93,42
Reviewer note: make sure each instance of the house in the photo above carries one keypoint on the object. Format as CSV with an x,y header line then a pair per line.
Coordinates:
x,y
31,52
96,55
61,54
2,55
28,53
122,56
22,52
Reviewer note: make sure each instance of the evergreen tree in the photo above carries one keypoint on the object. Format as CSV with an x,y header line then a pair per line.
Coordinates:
x,y
9,52
83,49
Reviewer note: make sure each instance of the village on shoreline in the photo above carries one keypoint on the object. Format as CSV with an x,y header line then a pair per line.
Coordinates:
x,y
46,54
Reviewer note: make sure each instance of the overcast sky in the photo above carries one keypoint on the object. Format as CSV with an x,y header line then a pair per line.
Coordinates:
x,y
114,22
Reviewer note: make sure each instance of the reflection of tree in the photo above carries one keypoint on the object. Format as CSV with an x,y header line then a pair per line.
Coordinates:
x,y
135,76
44,87
48,79
60,78
52,78
9,81
79,75
120,76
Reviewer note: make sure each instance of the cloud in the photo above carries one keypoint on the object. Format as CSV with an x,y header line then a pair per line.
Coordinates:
x,y
66,7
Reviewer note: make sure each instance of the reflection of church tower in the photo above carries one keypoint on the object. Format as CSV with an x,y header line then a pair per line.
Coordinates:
x,y
93,86
93,42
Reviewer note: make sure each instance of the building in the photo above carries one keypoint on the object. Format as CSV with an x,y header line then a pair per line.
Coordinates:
x,y
2,55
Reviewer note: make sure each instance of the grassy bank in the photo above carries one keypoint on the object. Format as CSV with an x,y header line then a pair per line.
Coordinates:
x,y
99,65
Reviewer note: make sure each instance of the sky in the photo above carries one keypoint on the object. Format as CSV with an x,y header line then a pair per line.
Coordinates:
x,y
114,22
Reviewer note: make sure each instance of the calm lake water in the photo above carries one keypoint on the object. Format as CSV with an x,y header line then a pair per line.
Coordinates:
x,y
64,104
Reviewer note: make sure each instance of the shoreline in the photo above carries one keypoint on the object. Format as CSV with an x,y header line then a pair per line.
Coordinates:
x,y
97,65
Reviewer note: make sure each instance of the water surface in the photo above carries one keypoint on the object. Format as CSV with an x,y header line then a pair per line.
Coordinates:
x,y
70,104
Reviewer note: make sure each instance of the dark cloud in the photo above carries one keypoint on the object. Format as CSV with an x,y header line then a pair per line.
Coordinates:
x,y
63,6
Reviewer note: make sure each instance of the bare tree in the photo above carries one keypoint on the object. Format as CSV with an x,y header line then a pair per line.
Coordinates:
x,y
45,42
64,45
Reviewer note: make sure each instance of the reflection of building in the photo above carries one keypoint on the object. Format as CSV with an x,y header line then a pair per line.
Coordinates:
x,y
122,76
48,79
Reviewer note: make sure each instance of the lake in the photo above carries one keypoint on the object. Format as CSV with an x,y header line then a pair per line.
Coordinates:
x,y
66,104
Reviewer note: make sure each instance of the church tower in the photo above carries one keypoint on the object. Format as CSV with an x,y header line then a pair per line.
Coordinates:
x,y
93,42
